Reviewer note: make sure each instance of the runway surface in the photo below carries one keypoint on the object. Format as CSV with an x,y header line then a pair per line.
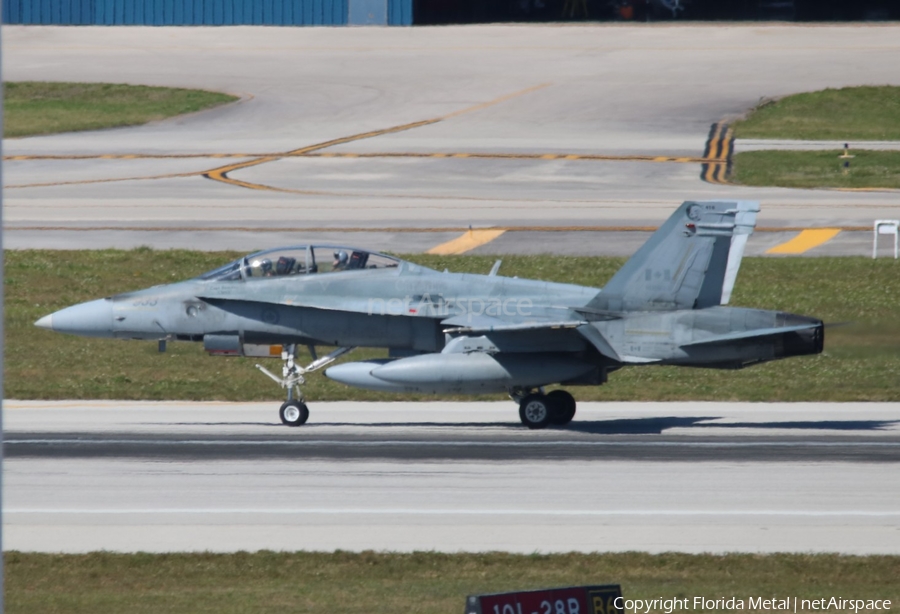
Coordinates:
x,y
377,130
694,477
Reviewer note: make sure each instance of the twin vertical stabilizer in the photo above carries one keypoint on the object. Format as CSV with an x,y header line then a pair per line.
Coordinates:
x,y
690,262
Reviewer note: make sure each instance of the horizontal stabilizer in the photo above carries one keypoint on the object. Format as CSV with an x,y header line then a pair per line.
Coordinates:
x,y
750,334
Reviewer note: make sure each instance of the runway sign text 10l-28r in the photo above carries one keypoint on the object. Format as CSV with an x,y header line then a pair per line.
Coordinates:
x,y
569,600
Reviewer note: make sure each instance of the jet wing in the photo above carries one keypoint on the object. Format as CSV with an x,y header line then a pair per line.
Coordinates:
x,y
482,325
479,332
496,325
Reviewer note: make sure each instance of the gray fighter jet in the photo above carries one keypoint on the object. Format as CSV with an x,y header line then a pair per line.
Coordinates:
x,y
462,333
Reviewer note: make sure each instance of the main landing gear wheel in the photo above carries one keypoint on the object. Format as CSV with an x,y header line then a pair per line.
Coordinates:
x,y
563,405
535,411
293,413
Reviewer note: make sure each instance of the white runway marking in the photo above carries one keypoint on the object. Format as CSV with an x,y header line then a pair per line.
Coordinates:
x,y
452,444
453,512
681,484
613,114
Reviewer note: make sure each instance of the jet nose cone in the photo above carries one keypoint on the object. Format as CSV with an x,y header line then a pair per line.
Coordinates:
x,y
91,319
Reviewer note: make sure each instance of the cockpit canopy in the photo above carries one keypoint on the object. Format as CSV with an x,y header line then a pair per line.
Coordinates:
x,y
300,260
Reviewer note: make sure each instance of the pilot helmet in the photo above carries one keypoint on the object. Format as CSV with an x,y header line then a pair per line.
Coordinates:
x,y
285,265
263,266
341,257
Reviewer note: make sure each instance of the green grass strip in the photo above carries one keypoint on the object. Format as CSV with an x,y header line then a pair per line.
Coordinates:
x,y
852,113
818,169
861,362
425,583
32,108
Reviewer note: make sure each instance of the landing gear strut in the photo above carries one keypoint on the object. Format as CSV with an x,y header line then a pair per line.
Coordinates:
x,y
294,411
538,410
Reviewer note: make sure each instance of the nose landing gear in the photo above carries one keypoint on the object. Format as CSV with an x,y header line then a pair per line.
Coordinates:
x,y
294,411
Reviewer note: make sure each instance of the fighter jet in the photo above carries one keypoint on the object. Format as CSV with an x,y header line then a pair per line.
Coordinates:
x,y
463,333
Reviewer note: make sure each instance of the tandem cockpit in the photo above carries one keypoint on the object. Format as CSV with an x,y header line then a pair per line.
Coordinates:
x,y
300,260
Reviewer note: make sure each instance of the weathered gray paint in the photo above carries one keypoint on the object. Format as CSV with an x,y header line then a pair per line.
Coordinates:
x,y
478,333
680,266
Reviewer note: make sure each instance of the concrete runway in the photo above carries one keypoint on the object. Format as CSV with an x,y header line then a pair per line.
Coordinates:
x,y
694,477
385,129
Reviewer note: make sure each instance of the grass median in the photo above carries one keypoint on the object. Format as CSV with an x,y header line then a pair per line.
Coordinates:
x,y
850,114
861,361
33,108
818,169
867,113
426,582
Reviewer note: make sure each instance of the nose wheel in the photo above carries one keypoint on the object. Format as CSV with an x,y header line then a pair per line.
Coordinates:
x,y
294,411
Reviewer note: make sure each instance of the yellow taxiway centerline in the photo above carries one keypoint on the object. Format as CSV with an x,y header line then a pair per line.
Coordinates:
x,y
306,153
388,229
805,241
221,173
469,240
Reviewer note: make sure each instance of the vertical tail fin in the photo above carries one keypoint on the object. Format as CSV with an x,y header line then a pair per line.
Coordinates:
x,y
691,262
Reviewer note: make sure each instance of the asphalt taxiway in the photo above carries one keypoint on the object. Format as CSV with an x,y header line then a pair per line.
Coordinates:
x,y
694,477
376,129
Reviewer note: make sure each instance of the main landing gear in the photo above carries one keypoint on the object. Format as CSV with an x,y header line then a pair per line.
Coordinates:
x,y
538,410
294,411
